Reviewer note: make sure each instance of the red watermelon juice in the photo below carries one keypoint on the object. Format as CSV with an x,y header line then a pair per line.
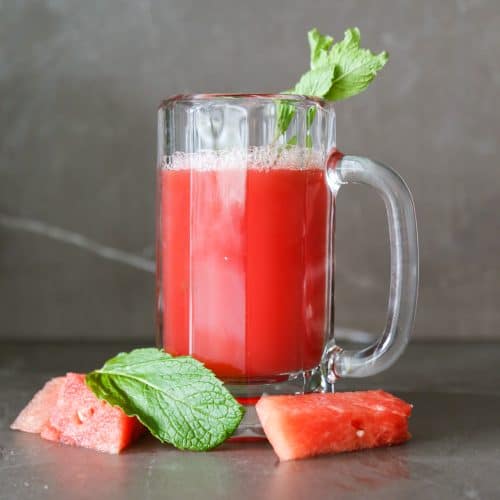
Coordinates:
x,y
242,265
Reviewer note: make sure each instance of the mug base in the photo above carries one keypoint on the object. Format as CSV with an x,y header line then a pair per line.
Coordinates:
x,y
248,392
250,428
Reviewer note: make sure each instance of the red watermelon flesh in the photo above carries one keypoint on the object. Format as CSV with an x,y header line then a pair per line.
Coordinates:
x,y
36,413
81,419
313,424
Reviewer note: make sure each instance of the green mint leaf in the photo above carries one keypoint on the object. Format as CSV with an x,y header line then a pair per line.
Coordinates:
x,y
179,400
316,82
355,68
319,45
311,113
285,112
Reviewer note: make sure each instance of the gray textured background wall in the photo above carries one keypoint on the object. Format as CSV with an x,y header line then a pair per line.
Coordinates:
x,y
79,85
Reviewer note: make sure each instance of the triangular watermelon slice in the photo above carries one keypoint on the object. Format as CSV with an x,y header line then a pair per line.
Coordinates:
x,y
67,411
312,424
81,419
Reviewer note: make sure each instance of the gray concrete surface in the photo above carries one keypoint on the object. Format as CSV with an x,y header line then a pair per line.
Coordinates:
x,y
454,453
79,85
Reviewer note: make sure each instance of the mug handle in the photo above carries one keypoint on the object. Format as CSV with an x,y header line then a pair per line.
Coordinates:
x,y
341,170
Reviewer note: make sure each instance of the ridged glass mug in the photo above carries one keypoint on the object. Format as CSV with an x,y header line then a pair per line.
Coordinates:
x,y
245,244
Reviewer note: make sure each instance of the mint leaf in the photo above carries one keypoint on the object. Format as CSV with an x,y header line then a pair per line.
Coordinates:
x,y
319,45
355,68
285,112
179,400
316,82
311,113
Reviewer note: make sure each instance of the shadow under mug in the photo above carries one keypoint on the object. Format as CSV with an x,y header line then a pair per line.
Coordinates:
x,y
245,244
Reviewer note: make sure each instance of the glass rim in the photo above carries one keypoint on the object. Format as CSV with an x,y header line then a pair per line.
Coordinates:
x,y
295,98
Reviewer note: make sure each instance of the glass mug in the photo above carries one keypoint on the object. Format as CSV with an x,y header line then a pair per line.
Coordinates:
x,y
245,244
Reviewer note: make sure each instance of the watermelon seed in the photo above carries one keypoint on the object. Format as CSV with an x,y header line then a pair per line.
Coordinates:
x,y
84,414
360,433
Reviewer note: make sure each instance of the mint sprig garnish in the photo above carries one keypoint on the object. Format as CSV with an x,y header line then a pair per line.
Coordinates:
x,y
179,400
337,71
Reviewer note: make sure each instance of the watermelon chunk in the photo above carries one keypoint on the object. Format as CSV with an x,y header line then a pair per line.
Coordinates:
x,y
67,411
313,424
36,414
